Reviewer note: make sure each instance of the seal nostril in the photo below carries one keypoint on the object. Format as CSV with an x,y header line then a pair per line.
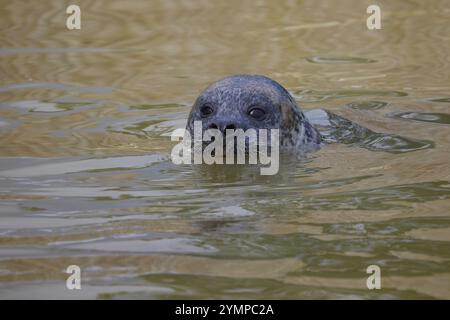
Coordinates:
x,y
230,126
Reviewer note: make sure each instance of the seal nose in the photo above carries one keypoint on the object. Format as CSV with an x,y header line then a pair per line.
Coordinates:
x,y
222,126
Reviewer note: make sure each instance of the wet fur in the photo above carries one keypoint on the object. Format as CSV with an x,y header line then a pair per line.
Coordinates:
x,y
296,132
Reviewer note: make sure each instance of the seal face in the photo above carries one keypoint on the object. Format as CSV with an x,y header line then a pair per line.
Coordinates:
x,y
256,102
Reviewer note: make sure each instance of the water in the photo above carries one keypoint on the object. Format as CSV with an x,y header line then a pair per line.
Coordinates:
x,y
85,175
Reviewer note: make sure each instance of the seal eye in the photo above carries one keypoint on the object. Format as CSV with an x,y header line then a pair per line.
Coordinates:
x,y
257,113
206,110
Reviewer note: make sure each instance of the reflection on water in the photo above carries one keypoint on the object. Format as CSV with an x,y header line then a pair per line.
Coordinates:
x,y
341,130
319,96
367,105
85,175
443,118
338,60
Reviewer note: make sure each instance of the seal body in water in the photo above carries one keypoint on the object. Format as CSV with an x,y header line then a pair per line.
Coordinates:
x,y
254,102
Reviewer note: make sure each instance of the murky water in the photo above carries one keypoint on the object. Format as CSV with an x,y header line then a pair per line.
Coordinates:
x,y
86,179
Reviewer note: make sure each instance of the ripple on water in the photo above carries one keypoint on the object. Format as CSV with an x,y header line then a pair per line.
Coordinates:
x,y
168,245
15,51
99,164
440,100
55,86
440,118
164,119
379,198
367,105
156,106
231,211
44,106
3,123
148,128
338,60
337,129
308,95
394,143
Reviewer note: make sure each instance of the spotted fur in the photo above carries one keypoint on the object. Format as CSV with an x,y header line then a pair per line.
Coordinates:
x,y
232,95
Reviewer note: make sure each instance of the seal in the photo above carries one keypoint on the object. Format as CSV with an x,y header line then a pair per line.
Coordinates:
x,y
257,102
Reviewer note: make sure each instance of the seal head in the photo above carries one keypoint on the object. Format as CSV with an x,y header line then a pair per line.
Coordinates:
x,y
257,102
